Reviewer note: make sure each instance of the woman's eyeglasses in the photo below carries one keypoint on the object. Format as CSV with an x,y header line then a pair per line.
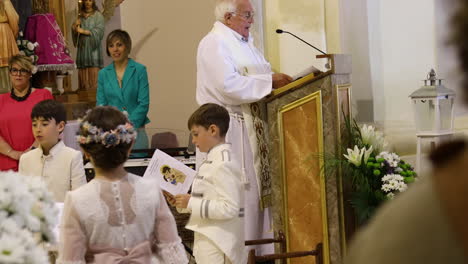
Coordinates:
x,y
21,72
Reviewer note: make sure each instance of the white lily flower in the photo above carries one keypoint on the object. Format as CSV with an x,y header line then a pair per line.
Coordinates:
x,y
373,138
355,155
367,132
367,153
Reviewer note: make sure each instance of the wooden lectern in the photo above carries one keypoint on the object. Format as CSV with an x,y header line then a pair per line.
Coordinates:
x,y
304,120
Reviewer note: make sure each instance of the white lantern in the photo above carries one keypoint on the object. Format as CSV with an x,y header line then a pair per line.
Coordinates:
x,y
433,106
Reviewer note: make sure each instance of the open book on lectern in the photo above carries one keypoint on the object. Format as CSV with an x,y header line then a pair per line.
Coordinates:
x,y
306,71
172,175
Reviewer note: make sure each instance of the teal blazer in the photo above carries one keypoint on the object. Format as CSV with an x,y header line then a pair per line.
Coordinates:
x,y
133,97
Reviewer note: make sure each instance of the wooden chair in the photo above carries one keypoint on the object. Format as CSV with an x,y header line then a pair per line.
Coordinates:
x,y
253,259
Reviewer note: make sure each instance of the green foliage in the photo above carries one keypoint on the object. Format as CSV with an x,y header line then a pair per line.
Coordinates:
x,y
368,176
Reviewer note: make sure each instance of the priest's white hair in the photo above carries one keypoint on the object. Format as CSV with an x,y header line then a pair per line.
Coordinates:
x,y
224,6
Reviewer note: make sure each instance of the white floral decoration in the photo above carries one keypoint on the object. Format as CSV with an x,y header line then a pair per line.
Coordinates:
x,y
356,155
34,70
27,218
392,158
30,46
374,138
392,183
121,134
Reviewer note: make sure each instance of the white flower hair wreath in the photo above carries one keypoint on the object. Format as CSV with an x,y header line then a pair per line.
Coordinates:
x,y
121,134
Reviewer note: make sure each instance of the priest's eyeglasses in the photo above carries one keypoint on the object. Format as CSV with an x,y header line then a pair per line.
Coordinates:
x,y
21,72
245,15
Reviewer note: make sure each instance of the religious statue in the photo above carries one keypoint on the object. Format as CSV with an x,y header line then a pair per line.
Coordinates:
x,y
87,33
40,6
8,48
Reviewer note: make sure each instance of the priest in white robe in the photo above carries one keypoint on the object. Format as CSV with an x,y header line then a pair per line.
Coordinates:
x,y
231,72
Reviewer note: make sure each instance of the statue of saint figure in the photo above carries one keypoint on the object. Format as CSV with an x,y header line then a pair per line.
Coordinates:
x,y
40,6
87,33
8,48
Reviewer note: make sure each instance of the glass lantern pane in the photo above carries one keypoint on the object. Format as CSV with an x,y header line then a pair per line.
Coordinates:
x,y
424,111
446,106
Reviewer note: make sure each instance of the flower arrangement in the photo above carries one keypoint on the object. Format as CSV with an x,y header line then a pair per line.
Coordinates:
x,y
121,134
27,217
27,48
373,173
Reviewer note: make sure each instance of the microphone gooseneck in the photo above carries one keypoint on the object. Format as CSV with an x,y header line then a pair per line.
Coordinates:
x,y
280,31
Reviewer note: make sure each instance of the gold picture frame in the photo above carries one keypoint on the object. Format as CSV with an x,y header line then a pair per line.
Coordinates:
x,y
343,92
304,116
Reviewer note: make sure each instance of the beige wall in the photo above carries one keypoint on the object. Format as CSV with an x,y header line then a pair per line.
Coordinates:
x,y
165,37
307,19
333,26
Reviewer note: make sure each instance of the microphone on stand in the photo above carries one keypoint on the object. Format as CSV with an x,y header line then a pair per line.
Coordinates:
x,y
280,31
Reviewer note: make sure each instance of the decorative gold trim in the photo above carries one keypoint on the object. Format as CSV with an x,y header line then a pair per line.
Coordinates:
x,y
293,84
314,96
339,88
312,77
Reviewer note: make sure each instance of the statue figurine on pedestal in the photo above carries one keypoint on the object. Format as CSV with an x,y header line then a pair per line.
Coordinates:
x,y
40,6
8,47
87,33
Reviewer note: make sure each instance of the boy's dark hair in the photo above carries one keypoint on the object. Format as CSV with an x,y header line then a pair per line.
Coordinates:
x,y
121,35
210,114
106,118
49,109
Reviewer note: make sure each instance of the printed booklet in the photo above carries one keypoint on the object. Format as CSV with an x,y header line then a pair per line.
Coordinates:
x,y
173,176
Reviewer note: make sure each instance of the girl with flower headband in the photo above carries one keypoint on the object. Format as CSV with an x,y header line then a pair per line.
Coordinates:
x,y
117,217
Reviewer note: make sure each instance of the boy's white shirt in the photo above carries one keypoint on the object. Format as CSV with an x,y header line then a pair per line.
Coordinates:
x,y
62,169
217,202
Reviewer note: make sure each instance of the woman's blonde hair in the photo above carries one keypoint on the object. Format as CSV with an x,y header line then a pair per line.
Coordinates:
x,y
23,61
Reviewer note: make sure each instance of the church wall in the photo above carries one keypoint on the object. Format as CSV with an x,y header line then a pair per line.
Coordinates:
x,y
302,17
355,41
408,53
394,44
333,26
165,37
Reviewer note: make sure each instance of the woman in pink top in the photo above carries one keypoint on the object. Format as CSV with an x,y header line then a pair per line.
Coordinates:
x,y
15,109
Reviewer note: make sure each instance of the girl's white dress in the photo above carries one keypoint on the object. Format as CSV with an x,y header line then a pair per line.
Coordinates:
x,y
125,221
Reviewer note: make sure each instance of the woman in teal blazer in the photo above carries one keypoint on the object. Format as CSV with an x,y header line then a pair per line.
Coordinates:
x,y
124,84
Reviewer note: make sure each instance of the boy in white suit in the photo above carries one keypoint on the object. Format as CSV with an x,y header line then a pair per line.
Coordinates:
x,y
217,198
61,167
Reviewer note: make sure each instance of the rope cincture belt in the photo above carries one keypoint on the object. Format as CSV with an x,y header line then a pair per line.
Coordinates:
x,y
240,118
